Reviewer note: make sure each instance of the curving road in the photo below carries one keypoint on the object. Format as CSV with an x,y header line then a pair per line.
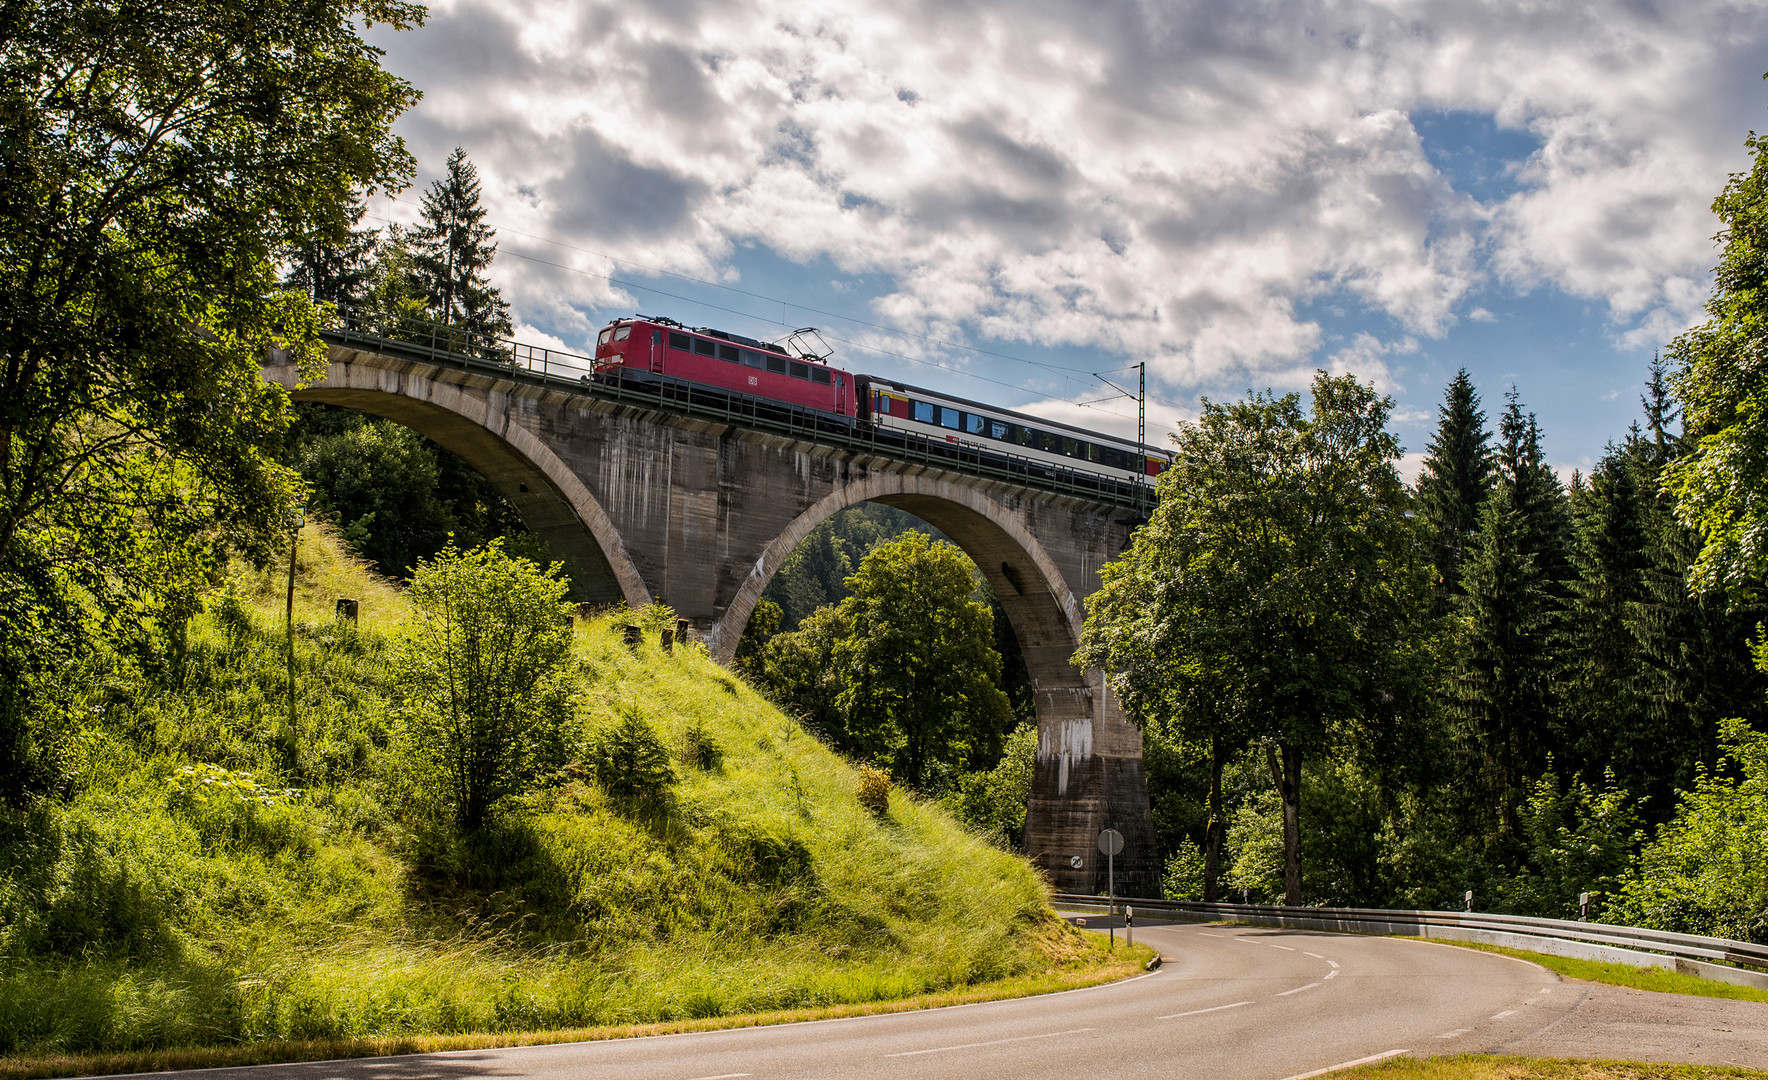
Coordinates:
x,y
1231,1003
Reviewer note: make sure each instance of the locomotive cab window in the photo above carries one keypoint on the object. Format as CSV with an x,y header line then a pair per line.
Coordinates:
x,y
606,336
621,333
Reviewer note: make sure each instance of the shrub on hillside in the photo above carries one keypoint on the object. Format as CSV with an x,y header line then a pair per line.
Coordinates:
x,y
874,789
1706,871
632,766
473,676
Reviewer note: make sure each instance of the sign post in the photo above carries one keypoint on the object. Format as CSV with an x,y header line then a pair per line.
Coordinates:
x,y
1110,843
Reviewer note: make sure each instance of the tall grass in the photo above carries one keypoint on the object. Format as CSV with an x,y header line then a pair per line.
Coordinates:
x,y
217,875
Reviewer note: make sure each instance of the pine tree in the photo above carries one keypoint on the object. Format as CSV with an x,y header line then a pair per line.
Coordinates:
x,y
1536,494
1604,716
1457,475
451,251
335,269
1500,691
1694,662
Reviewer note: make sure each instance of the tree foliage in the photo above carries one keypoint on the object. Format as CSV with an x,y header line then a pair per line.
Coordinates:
x,y
491,636
156,157
1721,485
904,670
1275,591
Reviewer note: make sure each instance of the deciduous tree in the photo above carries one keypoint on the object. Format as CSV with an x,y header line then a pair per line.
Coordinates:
x,y
156,156
1278,585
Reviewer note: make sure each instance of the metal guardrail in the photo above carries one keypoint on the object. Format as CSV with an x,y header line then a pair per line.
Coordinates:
x,y
503,358
1688,947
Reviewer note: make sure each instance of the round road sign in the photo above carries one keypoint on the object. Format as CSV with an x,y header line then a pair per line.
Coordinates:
x,y
1110,842
1077,862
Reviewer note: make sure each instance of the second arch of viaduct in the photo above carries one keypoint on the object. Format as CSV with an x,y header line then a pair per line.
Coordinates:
x,y
642,506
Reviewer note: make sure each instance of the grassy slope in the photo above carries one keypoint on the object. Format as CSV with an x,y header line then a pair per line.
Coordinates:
x,y
151,910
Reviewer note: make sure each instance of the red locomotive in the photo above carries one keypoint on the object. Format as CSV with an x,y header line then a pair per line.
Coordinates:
x,y
650,347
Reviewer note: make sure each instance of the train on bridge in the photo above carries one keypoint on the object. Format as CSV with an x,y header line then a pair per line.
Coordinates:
x,y
651,348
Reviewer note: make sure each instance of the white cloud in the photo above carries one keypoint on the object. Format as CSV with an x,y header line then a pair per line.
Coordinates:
x,y
1175,183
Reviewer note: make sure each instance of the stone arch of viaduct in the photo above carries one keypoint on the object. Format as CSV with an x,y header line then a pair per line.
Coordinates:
x,y
644,506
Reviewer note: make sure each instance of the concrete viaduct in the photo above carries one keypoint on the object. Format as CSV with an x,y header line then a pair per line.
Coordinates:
x,y
676,501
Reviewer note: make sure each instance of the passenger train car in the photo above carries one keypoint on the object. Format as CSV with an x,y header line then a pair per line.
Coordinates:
x,y
651,348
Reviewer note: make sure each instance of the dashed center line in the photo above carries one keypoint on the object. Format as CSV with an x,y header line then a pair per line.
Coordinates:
x,y
1200,1012
1315,955
1205,933
991,1042
1454,1034
1333,974
1298,989
1502,1015
1285,948
1334,963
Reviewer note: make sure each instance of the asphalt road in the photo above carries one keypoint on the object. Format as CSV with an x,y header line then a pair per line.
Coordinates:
x,y
1231,1003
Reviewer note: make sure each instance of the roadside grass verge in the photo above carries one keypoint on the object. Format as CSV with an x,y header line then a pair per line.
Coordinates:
x,y
1091,966
1654,979
1483,1067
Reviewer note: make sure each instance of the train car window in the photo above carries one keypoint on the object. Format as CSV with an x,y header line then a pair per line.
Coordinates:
x,y
797,370
819,375
775,364
621,333
679,341
973,423
923,412
948,418
1092,451
997,430
705,348
606,336
1021,435
1070,447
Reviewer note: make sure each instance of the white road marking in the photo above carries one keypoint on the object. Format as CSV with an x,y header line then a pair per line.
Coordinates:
x,y
1298,989
1333,974
1285,948
1334,963
1506,1012
991,1042
1458,1032
1205,933
1315,955
1346,1065
1200,1012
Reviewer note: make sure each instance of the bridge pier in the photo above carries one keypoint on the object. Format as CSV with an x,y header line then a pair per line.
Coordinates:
x,y
644,504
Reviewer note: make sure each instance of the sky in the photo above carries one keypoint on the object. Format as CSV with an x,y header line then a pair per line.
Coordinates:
x,y
1018,201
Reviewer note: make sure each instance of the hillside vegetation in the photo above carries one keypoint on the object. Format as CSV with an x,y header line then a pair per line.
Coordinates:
x,y
214,874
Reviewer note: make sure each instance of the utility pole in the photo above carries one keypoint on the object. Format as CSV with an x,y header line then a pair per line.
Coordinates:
x,y
298,518
1142,429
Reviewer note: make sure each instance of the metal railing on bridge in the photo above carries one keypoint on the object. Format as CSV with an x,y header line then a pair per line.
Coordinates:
x,y
452,347
1720,959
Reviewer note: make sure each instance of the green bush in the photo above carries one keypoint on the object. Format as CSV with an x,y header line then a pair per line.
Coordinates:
x,y
873,790
490,640
632,765
1706,870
